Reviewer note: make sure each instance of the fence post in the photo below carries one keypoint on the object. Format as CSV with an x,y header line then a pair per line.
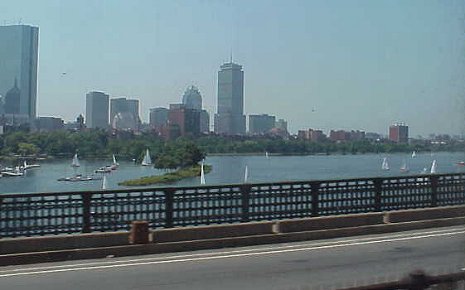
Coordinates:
x,y
315,191
169,200
378,183
86,222
245,201
434,190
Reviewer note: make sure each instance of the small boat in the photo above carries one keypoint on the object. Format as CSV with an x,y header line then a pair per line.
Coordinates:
x,y
75,162
433,167
79,177
385,165
105,169
246,174
414,154
13,172
115,164
461,163
404,168
202,175
267,155
147,161
29,166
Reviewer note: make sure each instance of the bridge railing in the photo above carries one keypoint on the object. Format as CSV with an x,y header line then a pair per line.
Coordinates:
x,y
33,214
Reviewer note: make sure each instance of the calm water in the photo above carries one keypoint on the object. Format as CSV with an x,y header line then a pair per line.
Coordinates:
x,y
230,169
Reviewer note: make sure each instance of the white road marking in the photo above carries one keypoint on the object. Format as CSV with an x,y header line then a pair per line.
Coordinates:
x,y
308,243
228,256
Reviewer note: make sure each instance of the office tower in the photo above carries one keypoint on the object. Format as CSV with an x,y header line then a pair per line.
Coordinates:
x,y
97,110
158,117
18,70
261,124
204,122
186,120
230,119
124,114
398,133
192,99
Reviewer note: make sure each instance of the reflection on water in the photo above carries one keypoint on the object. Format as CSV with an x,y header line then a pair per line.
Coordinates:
x,y
230,169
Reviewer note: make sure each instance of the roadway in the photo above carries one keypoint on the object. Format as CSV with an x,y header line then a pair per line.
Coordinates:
x,y
327,264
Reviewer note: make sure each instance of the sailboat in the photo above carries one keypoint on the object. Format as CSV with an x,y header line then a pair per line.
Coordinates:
x,y
202,174
75,162
267,155
433,167
404,167
246,174
414,154
147,161
115,164
385,165
104,182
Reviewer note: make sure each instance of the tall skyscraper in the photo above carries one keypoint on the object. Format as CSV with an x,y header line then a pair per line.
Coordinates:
x,y
97,110
124,113
18,69
230,119
192,99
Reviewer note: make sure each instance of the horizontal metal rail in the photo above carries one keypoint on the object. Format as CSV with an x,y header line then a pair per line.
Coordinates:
x,y
33,214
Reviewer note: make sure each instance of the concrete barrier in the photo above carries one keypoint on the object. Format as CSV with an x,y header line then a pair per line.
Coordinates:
x,y
424,214
326,223
212,232
62,242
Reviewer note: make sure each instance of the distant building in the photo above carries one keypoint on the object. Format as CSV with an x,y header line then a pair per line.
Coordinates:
x,y
192,99
124,114
398,133
97,104
158,117
18,70
373,136
48,124
281,124
187,120
339,135
230,119
261,124
312,135
204,122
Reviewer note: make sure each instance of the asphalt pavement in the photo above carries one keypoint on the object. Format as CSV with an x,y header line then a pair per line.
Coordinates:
x,y
324,264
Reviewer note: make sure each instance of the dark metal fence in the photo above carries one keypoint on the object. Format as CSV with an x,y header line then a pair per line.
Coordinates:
x,y
113,210
418,280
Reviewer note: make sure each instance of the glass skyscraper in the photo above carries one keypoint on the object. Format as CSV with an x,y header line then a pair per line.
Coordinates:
x,y
97,104
18,70
230,119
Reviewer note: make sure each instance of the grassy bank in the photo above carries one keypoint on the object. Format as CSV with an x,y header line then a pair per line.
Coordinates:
x,y
167,177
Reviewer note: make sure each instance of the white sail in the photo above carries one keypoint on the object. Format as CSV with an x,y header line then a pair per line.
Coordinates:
x,y
246,174
75,162
147,160
114,160
202,174
404,167
104,182
433,167
267,155
414,154
385,165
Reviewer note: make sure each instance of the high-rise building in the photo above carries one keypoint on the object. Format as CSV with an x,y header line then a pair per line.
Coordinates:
x,y
192,99
204,122
18,69
186,120
261,124
230,119
398,133
158,117
97,110
124,114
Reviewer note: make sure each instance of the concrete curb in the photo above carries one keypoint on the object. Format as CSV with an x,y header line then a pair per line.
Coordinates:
x,y
182,246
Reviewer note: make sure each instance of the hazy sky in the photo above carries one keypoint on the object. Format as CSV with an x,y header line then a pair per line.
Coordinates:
x,y
358,64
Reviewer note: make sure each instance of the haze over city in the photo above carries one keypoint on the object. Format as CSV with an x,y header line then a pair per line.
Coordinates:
x,y
338,65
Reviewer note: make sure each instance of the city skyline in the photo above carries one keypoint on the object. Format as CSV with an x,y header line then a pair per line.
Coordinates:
x,y
345,65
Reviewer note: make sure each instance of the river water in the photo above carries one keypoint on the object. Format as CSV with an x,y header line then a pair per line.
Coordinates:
x,y
231,169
